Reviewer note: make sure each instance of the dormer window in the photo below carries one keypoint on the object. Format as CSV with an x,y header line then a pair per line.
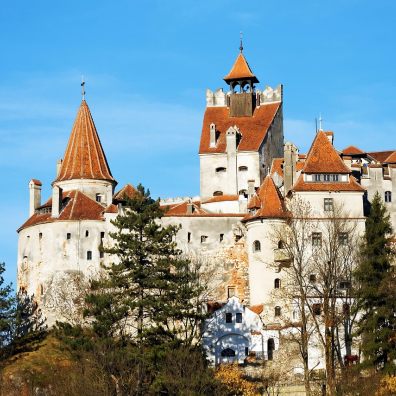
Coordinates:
x,y
326,177
221,169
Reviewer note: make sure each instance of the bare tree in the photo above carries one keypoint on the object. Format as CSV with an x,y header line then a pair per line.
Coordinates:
x,y
293,239
322,253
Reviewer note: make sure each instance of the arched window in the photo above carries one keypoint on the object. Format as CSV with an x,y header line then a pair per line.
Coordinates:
x,y
277,283
278,311
388,196
243,168
218,193
281,244
256,246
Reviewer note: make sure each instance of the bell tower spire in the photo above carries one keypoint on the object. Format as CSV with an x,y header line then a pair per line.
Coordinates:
x,y
242,103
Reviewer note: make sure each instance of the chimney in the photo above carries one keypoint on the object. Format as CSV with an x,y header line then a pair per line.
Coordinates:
x,y
58,166
289,166
251,189
56,201
231,140
212,135
330,136
34,195
190,208
347,161
109,194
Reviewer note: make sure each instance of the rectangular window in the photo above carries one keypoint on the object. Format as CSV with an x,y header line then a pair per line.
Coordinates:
x,y
317,239
328,204
317,309
344,285
40,235
89,255
335,178
188,237
231,291
326,178
68,235
102,235
228,317
343,238
317,178
221,237
86,233
98,197
204,238
101,253
238,317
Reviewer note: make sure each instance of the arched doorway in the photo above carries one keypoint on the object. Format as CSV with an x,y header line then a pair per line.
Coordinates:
x,y
270,348
231,348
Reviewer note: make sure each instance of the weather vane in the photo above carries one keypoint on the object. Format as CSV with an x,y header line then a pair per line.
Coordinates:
x,y
241,37
82,88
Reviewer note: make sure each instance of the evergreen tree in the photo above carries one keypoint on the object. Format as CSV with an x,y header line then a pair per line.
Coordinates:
x,y
376,293
6,313
149,293
29,322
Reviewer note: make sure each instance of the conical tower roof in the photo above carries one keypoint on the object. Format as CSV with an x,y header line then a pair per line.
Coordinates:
x,y
84,157
240,71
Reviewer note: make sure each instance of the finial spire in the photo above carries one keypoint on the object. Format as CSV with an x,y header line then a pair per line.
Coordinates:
x,y
320,122
241,45
82,87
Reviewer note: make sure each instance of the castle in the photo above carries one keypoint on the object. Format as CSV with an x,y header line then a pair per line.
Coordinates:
x,y
247,176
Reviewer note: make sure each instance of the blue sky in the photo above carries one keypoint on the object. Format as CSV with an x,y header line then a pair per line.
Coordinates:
x,y
147,65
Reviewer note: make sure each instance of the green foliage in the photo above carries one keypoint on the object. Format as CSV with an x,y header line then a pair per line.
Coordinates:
x,y
149,292
376,292
7,301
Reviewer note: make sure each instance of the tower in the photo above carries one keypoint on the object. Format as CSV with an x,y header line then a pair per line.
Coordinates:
x,y
242,132
59,243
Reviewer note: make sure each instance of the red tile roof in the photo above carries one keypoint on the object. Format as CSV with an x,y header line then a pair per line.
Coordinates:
x,y
254,202
36,182
240,71
352,150
111,209
181,209
323,158
253,129
77,206
392,158
222,198
128,191
257,309
271,201
84,157
351,185
380,156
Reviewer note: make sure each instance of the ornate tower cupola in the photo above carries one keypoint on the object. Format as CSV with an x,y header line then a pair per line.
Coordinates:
x,y
242,97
